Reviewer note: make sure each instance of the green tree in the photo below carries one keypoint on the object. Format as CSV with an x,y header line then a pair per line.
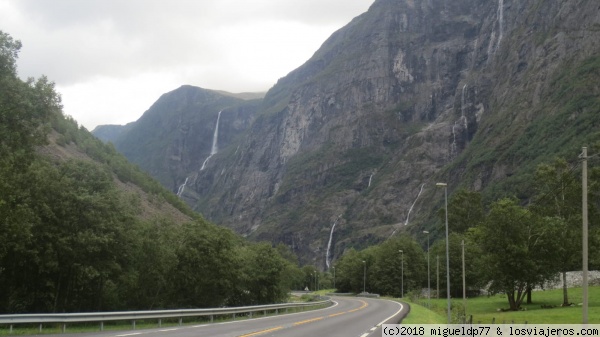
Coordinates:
x,y
265,275
350,271
517,249
558,195
465,210
206,268
385,275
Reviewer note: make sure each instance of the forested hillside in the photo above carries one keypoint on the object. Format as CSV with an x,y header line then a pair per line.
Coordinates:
x,y
81,229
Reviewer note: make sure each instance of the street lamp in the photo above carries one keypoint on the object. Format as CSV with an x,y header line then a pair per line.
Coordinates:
x,y
365,277
428,273
334,278
445,186
317,281
402,274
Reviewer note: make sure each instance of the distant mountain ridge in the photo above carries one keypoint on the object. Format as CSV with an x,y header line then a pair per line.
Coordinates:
x,y
408,94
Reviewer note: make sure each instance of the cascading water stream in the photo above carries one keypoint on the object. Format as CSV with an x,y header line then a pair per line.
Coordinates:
x,y
327,254
182,188
215,147
413,205
495,42
370,179
410,209
453,148
462,109
500,22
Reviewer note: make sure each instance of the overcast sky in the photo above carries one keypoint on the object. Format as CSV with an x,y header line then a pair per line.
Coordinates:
x,y
111,59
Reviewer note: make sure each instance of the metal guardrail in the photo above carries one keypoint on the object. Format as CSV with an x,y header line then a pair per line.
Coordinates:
x,y
145,315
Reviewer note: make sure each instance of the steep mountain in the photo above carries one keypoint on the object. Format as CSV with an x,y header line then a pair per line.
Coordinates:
x,y
346,150
174,137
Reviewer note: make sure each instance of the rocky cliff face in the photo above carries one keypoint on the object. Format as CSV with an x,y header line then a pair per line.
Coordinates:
x,y
407,94
174,137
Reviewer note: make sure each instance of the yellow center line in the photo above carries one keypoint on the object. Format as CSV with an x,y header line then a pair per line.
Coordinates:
x,y
262,332
364,305
308,321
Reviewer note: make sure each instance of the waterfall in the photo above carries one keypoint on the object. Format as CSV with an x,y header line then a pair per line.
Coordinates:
x,y
462,109
182,188
500,22
413,205
215,147
453,148
370,179
409,211
328,255
495,43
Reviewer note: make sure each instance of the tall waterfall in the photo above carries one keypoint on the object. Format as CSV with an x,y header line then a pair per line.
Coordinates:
x,y
495,42
327,254
215,147
370,179
500,22
409,211
182,188
462,109
413,205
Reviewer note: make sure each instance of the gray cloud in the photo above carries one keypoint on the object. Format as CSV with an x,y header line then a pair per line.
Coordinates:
x,y
236,45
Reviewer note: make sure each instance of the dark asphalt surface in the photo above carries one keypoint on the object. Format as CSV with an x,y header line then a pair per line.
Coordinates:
x,y
348,317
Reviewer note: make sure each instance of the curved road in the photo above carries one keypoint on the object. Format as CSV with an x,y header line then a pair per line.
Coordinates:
x,y
348,317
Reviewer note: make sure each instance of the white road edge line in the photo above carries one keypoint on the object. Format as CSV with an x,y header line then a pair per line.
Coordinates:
x,y
385,320
396,313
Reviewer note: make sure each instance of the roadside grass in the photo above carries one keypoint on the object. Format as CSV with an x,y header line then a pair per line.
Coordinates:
x,y
420,314
486,310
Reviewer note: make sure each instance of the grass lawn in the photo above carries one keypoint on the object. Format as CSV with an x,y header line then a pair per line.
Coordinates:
x,y
485,309
421,315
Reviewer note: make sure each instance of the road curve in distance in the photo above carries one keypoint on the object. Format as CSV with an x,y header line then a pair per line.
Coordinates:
x,y
348,317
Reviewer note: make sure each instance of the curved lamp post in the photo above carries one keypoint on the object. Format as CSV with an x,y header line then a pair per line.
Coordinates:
x,y
445,186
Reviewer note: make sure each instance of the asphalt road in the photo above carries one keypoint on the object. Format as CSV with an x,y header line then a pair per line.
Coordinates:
x,y
348,317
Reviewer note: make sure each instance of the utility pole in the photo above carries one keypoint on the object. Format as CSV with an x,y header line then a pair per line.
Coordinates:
x,y
584,201
428,273
437,270
334,278
402,274
365,277
464,278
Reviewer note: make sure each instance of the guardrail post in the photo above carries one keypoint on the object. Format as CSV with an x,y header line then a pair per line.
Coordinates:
x,y
10,330
64,328
160,323
101,326
133,325
250,314
40,327
276,311
234,316
180,321
212,318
